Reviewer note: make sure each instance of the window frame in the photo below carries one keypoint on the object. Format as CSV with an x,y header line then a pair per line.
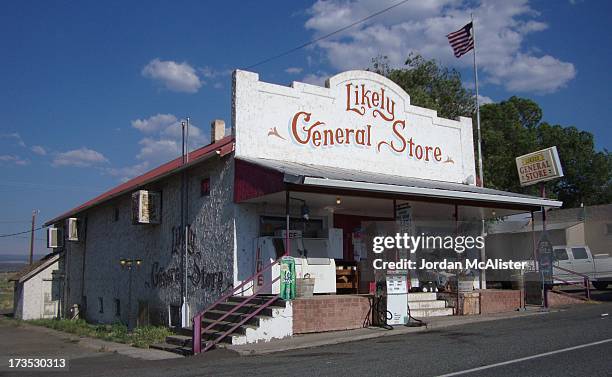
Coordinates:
x,y
586,255
556,259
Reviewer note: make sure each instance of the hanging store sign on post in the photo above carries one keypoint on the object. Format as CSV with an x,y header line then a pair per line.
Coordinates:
x,y
541,166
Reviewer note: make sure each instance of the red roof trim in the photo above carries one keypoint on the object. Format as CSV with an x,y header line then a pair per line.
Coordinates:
x,y
151,176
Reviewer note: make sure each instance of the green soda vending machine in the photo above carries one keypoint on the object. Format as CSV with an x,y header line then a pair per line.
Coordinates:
x,y
287,278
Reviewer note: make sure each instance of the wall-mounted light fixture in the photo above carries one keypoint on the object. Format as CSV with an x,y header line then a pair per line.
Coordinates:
x,y
128,264
338,200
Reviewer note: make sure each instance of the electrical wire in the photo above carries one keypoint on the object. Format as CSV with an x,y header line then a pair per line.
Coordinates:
x,y
18,233
326,35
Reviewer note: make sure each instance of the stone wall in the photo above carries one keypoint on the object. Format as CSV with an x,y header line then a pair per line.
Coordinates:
x,y
94,274
329,313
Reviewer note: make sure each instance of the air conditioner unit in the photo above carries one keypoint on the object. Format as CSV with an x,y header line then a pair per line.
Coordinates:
x,y
55,238
72,225
146,207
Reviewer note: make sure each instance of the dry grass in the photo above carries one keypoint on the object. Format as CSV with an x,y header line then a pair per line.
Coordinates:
x,y
141,337
6,292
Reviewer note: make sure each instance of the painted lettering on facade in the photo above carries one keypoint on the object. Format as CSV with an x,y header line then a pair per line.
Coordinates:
x,y
363,101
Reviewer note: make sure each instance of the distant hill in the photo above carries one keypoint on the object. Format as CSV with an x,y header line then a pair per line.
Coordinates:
x,y
14,262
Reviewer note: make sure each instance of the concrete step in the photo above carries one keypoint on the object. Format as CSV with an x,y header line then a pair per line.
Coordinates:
x,y
234,317
185,351
179,340
214,335
433,304
247,308
422,296
260,299
437,312
224,326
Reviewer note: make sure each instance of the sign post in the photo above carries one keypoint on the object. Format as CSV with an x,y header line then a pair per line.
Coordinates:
x,y
539,167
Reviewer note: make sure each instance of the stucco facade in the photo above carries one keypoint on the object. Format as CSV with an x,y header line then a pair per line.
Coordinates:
x,y
96,281
37,294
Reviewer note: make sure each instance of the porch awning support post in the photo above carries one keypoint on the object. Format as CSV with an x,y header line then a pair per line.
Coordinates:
x,y
483,257
456,216
287,245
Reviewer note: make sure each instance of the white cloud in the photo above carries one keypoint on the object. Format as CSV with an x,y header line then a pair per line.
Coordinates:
x,y
39,150
179,77
421,26
212,73
317,78
529,73
162,143
15,136
294,70
154,123
83,157
125,173
158,150
13,160
483,100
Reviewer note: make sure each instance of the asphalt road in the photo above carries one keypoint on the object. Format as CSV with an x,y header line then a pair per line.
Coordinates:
x,y
551,344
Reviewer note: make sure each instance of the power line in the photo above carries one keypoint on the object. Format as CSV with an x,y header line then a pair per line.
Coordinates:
x,y
18,233
326,35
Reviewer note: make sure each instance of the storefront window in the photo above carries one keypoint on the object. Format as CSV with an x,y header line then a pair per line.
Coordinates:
x,y
312,228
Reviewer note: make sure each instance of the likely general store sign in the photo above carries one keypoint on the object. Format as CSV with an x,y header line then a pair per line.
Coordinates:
x,y
540,166
360,121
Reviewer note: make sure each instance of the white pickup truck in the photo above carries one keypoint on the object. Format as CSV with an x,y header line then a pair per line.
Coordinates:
x,y
580,260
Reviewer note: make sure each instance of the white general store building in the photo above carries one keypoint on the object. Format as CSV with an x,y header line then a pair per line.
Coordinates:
x,y
352,152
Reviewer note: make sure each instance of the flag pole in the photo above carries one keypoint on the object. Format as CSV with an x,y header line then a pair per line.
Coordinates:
x,y
480,173
483,256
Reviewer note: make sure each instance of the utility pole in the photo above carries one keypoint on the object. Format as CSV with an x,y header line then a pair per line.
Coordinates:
x,y
34,213
184,222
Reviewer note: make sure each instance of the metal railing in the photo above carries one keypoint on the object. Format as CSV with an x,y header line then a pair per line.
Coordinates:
x,y
197,319
586,282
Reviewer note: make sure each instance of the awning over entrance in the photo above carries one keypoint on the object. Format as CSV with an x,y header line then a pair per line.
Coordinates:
x,y
315,178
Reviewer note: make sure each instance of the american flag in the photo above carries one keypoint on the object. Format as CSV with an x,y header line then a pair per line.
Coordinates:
x,y
461,40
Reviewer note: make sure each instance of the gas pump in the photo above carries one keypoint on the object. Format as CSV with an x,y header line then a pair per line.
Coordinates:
x,y
397,297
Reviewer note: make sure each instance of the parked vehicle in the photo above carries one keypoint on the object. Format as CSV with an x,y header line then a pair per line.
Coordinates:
x,y
579,259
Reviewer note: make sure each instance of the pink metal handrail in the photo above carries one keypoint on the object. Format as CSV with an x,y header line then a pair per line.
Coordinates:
x,y
239,305
585,280
196,343
211,344
570,271
232,291
197,319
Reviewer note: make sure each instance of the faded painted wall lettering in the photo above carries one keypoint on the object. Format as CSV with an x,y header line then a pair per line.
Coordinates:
x,y
193,247
206,280
163,278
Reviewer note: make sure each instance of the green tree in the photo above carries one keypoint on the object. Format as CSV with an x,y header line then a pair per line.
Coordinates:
x,y
509,129
513,127
429,85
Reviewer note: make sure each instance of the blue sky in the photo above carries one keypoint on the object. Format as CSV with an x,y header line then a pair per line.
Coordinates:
x,y
91,92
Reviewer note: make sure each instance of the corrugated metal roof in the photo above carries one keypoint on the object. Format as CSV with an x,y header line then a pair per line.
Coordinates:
x,y
443,189
222,146
33,269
